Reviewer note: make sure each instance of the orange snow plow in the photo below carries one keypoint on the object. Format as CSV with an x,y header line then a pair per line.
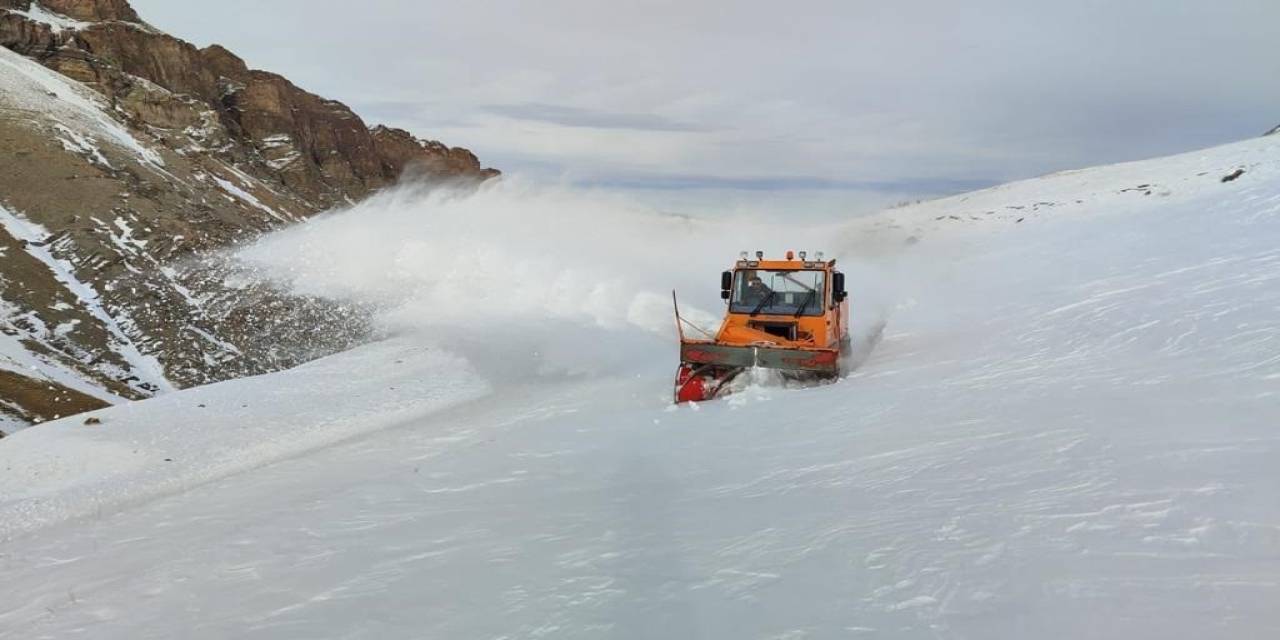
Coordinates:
x,y
786,315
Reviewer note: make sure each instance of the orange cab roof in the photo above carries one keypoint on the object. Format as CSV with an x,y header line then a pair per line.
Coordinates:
x,y
785,264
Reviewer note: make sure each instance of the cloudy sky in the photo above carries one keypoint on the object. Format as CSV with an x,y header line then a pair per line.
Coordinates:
x,y
915,98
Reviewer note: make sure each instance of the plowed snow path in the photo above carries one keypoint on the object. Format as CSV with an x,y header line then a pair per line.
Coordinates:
x,y
1071,435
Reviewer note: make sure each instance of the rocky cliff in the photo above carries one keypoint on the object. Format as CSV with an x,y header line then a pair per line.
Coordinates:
x,y
128,155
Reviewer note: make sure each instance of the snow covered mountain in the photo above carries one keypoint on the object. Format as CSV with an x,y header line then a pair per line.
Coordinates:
x,y
1067,431
127,153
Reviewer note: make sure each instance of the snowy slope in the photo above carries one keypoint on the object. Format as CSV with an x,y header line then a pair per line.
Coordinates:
x,y
77,115
144,450
1068,431
145,367
116,190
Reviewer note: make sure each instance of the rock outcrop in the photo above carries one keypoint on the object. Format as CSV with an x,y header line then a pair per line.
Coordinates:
x,y
126,155
84,10
320,148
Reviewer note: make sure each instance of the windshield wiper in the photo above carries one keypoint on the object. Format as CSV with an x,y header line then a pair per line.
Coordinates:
x,y
763,303
808,297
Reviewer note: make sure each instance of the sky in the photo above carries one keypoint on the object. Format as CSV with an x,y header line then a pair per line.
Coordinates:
x,y
762,101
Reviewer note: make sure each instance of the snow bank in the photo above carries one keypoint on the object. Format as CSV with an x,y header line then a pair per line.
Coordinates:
x,y
10,426
68,468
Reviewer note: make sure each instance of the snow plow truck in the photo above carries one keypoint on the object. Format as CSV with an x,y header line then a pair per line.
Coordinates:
x,y
788,315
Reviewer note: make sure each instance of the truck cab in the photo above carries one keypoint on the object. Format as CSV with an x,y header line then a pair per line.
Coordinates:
x,y
793,302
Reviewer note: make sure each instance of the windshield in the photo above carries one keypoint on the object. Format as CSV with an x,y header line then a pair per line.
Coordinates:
x,y
770,292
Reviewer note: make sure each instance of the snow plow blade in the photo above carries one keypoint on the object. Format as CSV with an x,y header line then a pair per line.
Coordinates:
x,y
817,360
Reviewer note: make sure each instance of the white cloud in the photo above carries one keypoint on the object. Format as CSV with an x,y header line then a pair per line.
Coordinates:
x,y
922,91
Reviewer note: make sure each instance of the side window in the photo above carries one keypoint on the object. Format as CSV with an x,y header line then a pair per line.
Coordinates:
x,y
742,289
739,286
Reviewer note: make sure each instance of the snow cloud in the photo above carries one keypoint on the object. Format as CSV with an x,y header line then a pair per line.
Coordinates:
x,y
484,269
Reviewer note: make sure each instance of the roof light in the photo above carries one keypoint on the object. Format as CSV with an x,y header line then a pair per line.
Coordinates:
x,y
791,255
744,255
802,254
818,255
759,255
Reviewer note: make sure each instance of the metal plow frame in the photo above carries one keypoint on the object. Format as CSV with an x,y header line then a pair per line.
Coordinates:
x,y
712,367
765,357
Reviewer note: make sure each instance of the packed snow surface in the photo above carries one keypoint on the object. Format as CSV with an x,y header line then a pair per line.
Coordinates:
x,y
166,446
1068,430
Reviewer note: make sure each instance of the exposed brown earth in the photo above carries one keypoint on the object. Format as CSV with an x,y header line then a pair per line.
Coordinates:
x,y
41,401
